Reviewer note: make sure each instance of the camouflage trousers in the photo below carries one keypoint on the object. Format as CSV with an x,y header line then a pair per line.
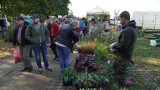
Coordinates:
x,y
120,68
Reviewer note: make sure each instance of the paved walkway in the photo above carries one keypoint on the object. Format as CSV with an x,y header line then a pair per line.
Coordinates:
x,y
12,79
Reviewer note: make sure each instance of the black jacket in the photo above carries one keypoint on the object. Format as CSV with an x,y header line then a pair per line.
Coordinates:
x,y
126,40
67,36
24,41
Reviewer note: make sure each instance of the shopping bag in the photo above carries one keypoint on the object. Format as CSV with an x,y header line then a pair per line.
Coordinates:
x,y
17,56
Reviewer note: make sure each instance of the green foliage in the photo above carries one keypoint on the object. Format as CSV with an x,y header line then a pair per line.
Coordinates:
x,y
108,38
116,87
9,35
13,8
68,75
109,66
94,65
101,51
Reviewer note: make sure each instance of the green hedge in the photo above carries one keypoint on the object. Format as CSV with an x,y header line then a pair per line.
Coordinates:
x,y
9,33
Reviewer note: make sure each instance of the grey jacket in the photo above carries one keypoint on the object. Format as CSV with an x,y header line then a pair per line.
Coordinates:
x,y
35,37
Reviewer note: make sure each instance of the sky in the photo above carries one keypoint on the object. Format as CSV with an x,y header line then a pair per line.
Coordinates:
x,y
80,7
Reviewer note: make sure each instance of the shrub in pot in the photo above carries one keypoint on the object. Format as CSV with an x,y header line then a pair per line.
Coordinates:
x,y
86,47
93,67
104,81
84,61
96,81
79,83
68,76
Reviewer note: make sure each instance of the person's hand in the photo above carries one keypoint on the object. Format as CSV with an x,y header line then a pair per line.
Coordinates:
x,y
111,46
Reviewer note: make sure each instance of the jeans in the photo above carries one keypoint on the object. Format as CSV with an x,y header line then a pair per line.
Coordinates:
x,y
43,50
84,32
64,54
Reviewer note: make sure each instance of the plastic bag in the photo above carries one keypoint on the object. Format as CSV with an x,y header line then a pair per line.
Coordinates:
x,y
17,56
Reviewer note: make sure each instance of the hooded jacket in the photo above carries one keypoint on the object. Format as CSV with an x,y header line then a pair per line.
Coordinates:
x,y
126,40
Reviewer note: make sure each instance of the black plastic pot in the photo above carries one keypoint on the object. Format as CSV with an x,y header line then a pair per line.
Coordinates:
x,y
94,69
68,83
97,85
79,86
104,83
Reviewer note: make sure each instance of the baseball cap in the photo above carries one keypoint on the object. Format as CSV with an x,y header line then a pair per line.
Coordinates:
x,y
34,16
27,17
20,18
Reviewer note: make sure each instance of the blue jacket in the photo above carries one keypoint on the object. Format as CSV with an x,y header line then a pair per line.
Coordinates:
x,y
82,24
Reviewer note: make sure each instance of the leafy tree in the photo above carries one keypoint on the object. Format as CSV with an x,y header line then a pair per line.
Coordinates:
x,y
13,8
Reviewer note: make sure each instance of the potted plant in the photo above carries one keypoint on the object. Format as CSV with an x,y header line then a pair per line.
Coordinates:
x,y
79,83
90,47
96,81
104,81
93,67
68,76
101,51
86,47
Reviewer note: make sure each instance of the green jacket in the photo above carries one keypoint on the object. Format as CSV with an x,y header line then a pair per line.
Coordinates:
x,y
126,40
35,37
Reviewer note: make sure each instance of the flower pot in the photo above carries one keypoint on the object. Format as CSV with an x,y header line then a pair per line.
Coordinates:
x,y
90,67
97,85
104,84
79,86
94,69
92,85
79,51
68,83
79,69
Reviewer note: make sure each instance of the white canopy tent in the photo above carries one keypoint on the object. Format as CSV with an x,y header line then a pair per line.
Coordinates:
x,y
96,13
97,10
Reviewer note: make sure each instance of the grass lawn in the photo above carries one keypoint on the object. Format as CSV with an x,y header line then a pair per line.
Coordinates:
x,y
147,66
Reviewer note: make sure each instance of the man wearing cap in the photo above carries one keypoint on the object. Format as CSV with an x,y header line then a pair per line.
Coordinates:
x,y
24,44
38,34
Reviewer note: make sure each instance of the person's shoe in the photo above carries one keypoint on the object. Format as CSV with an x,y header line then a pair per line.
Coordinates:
x,y
49,69
130,81
56,59
25,69
31,56
40,70
29,69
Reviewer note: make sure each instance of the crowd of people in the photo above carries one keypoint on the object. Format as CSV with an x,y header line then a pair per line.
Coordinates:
x,y
33,33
